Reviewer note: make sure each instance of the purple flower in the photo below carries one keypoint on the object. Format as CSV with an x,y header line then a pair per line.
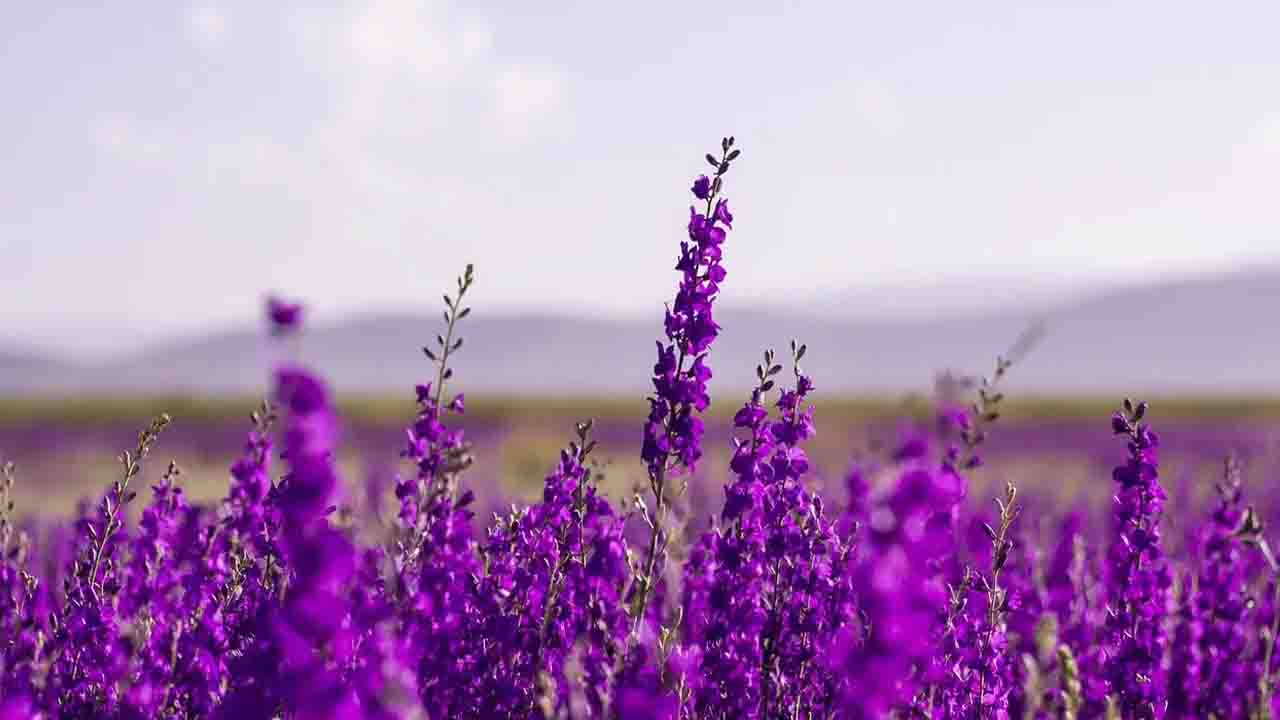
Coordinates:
x,y
284,317
701,187
722,214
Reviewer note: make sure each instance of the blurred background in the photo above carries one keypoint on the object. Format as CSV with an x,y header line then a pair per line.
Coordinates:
x,y
920,185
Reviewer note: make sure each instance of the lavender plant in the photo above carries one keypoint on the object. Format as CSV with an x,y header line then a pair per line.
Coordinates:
x,y
1208,673
757,584
1135,667
673,433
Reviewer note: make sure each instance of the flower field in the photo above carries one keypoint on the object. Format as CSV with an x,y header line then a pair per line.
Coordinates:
x,y
685,561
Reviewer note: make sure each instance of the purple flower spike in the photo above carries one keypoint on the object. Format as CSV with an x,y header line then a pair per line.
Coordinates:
x,y
1139,579
672,435
768,591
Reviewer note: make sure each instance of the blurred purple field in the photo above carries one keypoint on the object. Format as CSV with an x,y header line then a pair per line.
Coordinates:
x,y
65,455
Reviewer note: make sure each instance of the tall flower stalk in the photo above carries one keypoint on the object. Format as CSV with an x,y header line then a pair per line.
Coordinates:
x,y
1251,532
740,590
994,667
993,663
972,675
1140,579
1209,672
435,558
23,631
673,432
547,569
91,657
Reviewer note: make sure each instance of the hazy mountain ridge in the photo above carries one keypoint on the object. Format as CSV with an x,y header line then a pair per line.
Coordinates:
x,y
1194,334
19,369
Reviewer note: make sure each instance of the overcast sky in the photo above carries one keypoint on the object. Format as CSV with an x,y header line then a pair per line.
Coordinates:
x,y
164,166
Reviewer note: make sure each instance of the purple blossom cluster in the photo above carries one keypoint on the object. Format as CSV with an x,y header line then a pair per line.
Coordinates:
x,y
894,599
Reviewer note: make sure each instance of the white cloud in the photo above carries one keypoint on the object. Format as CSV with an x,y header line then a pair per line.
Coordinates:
x,y
529,100
208,27
878,107
403,37
414,72
410,90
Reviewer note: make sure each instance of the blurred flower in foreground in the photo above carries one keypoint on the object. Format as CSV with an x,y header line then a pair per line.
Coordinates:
x,y
285,317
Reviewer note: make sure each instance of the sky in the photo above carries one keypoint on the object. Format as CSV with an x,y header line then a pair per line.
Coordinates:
x,y
167,165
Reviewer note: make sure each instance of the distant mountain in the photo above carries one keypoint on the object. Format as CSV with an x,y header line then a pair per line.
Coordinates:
x,y
1204,334
20,370
947,297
